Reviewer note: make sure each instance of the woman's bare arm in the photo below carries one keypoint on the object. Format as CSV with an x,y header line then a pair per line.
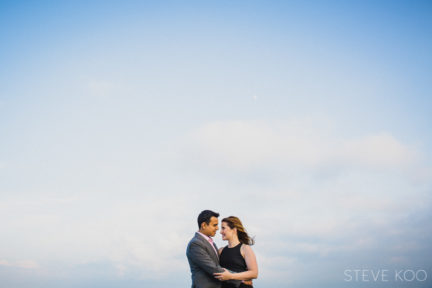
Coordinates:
x,y
251,264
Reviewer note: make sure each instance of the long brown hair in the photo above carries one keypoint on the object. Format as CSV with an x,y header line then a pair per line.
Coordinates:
x,y
234,222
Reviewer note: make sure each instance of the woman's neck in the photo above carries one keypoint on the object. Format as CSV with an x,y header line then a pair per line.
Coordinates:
x,y
234,241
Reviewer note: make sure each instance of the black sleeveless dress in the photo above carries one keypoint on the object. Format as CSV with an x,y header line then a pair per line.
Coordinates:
x,y
231,259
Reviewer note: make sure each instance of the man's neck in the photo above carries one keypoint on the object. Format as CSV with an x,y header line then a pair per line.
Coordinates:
x,y
204,234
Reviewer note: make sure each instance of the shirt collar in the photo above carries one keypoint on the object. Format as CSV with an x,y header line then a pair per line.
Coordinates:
x,y
205,236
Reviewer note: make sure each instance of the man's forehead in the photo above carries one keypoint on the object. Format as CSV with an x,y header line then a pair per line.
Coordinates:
x,y
214,220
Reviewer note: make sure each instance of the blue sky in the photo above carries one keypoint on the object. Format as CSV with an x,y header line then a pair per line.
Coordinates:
x,y
120,122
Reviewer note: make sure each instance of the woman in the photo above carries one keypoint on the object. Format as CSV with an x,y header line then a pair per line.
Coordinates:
x,y
237,256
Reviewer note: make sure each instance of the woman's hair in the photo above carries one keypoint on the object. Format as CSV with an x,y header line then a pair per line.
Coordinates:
x,y
234,222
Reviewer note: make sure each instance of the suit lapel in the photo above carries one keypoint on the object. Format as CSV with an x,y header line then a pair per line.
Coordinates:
x,y
214,244
210,249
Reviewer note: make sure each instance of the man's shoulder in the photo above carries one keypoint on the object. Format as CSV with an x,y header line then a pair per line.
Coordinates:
x,y
195,240
194,245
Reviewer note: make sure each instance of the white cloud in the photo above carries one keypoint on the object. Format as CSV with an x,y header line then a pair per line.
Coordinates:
x,y
100,88
300,188
252,144
309,189
24,264
377,150
137,237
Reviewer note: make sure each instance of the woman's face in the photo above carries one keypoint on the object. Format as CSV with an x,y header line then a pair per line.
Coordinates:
x,y
226,232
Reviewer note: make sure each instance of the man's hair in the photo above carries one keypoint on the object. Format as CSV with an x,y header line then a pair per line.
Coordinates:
x,y
205,216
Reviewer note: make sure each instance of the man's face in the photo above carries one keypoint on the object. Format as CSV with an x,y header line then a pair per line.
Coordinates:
x,y
211,228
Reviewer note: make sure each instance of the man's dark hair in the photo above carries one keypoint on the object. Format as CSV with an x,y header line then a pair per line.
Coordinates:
x,y
205,216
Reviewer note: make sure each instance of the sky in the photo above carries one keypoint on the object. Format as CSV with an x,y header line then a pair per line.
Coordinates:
x,y
121,120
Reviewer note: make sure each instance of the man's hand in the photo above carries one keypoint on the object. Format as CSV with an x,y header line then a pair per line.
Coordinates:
x,y
223,276
247,282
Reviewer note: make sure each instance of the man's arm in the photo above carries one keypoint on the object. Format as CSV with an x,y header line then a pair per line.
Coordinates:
x,y
200,257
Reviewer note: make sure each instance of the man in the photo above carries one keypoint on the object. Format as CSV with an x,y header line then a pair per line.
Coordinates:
x,y
202,253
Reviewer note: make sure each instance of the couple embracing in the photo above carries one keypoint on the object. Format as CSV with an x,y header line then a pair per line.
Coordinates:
x,y
229,267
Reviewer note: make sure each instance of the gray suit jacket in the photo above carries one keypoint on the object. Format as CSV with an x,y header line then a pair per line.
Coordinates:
x,y
203,262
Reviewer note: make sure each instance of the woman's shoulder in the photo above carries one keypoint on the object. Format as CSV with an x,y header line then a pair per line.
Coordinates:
x,y
245,248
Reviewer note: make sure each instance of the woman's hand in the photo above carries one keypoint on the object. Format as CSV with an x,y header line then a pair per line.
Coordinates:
x,y
223,276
